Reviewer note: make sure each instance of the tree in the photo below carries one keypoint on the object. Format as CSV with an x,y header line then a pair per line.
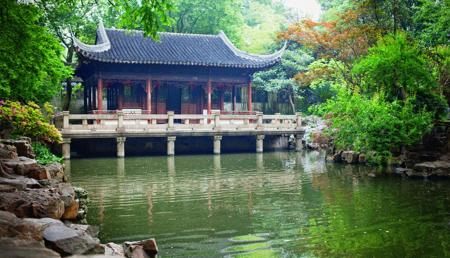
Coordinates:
x,y
280,78
395,66
31,66
75,17
208,17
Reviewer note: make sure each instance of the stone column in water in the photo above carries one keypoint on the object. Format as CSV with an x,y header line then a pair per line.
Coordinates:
x,y
217,139
120,146
260,143
66,148
171,145
298,143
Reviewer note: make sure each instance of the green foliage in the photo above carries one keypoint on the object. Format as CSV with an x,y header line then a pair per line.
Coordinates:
x,y
395,66
373,125
28,120
149,15
208,17
43,155
31,66
280,78
432,20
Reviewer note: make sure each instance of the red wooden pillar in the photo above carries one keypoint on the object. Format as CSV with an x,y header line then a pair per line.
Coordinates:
x,y
209,96
149,95
249,96
222,99
233,96
100,94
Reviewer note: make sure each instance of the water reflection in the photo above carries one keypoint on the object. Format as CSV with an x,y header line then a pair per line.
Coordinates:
x,y
301,206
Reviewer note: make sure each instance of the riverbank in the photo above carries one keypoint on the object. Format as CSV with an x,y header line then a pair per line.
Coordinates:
x,y
430,158
42,215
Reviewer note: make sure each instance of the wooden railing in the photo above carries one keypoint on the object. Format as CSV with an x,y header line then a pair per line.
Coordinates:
x,y
129,121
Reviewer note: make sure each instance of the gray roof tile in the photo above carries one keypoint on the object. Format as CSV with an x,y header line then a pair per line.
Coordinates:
x,y
124,46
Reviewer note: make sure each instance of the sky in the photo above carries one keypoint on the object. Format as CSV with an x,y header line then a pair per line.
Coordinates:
x,y
305,8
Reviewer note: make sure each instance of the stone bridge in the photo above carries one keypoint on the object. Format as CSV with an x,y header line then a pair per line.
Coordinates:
x,y
120,125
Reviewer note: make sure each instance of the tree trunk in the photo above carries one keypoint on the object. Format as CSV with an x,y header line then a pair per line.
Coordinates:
x,y
68,97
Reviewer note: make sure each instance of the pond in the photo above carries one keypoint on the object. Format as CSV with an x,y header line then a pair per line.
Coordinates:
x,y
280,204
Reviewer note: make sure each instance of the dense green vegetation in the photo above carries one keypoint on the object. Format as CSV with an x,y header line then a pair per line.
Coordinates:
x,y
389,62
43,155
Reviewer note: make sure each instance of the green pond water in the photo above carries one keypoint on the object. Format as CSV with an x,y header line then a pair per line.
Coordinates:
x,y
281,204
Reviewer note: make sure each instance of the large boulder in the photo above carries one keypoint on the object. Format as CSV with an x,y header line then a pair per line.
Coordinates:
x,y
20,182
11,226
37,203
27,167
68,241
141,249
22,145
22,248
56,171
8,152
437,168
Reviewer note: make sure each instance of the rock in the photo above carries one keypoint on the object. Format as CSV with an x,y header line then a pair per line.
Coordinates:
x,y
67,193
88,229
56,171
43,223
95,256
21,248
114,249
67,241
438,168
371,174
8,152
403,171
4,188
350,157
362,158
37,203
20,182
27,167
335,157
71,212
23,147
11,226
141,249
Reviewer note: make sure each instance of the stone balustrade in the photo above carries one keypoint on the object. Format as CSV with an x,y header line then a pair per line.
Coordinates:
x,y
121,125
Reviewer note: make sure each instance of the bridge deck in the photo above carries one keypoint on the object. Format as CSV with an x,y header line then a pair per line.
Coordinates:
x,y
119,125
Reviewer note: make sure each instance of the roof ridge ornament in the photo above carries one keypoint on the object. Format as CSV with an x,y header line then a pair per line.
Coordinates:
x,y
247,55
102,42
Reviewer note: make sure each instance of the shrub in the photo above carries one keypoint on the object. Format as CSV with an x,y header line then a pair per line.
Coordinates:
x,y
28,120
374,125
44,155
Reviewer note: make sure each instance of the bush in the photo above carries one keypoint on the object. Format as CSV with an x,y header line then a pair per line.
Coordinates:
x,y
373,125
44,155
28,120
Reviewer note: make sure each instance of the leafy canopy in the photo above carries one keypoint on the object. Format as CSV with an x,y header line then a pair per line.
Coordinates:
x,y
31,66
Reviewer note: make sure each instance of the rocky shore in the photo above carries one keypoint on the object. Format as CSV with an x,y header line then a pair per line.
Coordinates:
x,y
42,215
428,159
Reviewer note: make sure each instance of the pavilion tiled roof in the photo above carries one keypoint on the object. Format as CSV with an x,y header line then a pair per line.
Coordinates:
x,y
131,47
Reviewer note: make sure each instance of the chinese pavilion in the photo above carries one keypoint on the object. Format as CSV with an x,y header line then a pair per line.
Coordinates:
x,y
184,73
